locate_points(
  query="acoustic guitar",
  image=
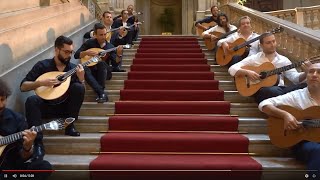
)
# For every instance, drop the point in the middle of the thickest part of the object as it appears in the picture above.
(211, 44)
(207, 25)
(238, 47)
(129, 27)
(7, 142)
(58, 91)
(268, 76)
(309, 127)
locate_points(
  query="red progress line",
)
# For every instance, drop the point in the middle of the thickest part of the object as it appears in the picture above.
(29, 171)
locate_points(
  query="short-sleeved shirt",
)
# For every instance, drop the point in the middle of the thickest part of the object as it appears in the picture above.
(48, 65)
(10, 123)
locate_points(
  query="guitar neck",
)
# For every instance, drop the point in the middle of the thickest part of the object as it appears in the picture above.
(246, 43)
(227, 34)
(283, 69)
(16, 136)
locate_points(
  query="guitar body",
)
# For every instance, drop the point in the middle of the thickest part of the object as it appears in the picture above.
(200, 31)
(52, 93)
(284, 139)
(223, 59)
(86, 58)
(212, 44)
(246, 87)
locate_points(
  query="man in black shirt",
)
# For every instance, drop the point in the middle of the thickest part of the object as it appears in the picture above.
(38, 108)
(214, 18)
(124, 37)
(96, 75)
(17, 153)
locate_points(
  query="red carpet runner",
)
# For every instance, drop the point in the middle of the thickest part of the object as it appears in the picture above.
(172, 120)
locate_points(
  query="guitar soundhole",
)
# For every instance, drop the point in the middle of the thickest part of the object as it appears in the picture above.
(263, 75)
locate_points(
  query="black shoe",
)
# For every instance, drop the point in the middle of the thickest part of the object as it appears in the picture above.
(102, 98)
(71, 131)
(38, 152)
(118, 70)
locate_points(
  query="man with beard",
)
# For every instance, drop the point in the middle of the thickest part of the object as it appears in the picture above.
(222, 27)
(268, 44)
(245, 32)
(214, 18)
(306, 151)
(17, 154)
(37, 108)
(96, 75)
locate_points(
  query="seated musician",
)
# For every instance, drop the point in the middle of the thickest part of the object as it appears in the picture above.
(17, 157)
(308, 152)
(113, 38)
(97, 74)
(245, 32)
(38, 108)
(132, 20)
(268, 44)
(222, 26)
(214, 18)
(124, 36)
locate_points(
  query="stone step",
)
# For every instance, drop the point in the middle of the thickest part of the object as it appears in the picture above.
(119, 84)
(70, 167)
(127, 60)
(107, 109)
(134, 51)
(259, 144)
(95, 124)
(217, 76)
(114, 95)
(213, 68)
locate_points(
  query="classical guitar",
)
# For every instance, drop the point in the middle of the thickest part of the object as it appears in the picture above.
(129, 27)
(268, 76)
(58, 91)
(207, 25)
(309, 127)
(211, 44)
(238, 47)
(7, 142)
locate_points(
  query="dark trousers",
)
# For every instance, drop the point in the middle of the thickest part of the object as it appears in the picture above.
(135, 34)
(269, 92)
(235, 59)
(309, 153)
(37, 108)
(96, 76)
(34, 165)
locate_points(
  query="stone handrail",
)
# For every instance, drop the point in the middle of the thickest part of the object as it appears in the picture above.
(304, 16)
(296, 42)
(94, 8)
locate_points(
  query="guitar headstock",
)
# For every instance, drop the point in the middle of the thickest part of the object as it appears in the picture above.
(277, 30)
(139, 13)
(58, 124)
(139, 23)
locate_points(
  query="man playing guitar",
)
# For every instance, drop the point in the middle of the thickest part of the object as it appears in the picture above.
(37, 108)
(223, 26)
(306, 151)
(268, 44)
(245, 32)
(17, 155)
(208, 20)
(125, 36)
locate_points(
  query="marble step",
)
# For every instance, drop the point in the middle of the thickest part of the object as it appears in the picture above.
(70, 167)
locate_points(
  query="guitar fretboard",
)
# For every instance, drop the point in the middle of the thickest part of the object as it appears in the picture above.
(16, 136)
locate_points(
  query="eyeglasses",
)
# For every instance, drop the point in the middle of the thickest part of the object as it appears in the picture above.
(67, 51)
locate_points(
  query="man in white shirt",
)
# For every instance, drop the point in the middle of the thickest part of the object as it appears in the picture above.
(306, 151)
(245, 32)
(268, 44)
(223, 27)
